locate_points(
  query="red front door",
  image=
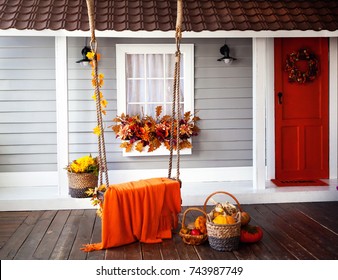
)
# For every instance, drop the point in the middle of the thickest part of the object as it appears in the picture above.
(301, 110)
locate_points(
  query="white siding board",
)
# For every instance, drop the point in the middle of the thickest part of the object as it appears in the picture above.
(27, 139)
(28, 168)
(240, 103)
(31, 149)
(32, 74)
(27, 106)
(41, 95)
(211, 83)
(226, 124)
(27, 117)
(9, 128)
(209, 62)
(30, 159)
(222, 146)
(27, 84)
(22, 53)
(221, 72)
(224, 114)
(26, 42)
(27, 63)
(219, 93)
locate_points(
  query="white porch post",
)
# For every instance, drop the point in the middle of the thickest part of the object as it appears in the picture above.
(61, 78)
(333, 103)
(261, 86)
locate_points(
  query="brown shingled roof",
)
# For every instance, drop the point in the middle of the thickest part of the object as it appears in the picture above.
(150, 15)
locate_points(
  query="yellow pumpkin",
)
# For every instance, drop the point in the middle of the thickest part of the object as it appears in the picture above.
(223, 220)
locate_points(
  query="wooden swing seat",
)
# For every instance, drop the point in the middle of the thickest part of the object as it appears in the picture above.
(145, 210)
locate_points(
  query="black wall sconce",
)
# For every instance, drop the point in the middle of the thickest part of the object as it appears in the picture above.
(85, 60)
(225, 51)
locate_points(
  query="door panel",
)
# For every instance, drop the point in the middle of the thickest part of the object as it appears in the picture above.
(301, 113)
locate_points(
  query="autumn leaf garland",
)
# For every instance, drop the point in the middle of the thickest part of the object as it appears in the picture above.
(97, 83)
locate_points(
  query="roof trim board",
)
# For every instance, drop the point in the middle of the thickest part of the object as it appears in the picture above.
(171, 34)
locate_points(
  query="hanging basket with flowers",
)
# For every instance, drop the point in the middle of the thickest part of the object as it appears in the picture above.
(82, 175)
(149, 133)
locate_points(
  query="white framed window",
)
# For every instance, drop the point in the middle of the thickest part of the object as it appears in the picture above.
(145, 76)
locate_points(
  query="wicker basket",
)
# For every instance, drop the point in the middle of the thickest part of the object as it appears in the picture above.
(79, 183)
(192, 239)
(223, 237)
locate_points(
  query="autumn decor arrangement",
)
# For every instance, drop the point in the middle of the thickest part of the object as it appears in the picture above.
(149, 133)
(224, 223)
(196, 232)
(294, 73)
(82, 175)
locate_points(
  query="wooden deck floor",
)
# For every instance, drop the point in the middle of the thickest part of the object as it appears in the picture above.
(291, 231)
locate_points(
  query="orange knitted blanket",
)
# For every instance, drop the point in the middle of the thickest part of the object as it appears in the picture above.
(144, 211)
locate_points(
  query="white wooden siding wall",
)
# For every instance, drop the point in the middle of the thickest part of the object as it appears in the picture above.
(223, 99)
(27, 104)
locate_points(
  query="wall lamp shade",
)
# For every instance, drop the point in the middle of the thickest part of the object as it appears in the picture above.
(85, 60)
(225, 51)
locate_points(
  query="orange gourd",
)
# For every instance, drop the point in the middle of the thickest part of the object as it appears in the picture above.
(200, 223)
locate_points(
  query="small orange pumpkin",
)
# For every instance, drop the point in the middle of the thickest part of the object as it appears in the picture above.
(200, 223)
(245, 218)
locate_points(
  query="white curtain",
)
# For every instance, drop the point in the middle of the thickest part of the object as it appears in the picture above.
(150, 82)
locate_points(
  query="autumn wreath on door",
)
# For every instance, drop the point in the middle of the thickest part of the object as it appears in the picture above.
(297, 75)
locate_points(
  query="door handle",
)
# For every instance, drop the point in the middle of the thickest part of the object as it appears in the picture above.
(280, 98)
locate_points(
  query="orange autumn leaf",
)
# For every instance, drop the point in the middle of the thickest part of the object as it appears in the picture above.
(185, 144)
(126, 145)
(94, 95)
(158, 111)
(104, 103)
(139, 147)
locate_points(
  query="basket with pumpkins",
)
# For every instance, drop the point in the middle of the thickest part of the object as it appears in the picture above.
(224, 223)
(194, 233)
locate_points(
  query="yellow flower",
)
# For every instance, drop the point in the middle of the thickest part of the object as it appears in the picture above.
(90, 55)
(85, 164)
(97, 131)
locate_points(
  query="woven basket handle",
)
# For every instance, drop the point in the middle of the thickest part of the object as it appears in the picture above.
(191, 209)
(222, 192)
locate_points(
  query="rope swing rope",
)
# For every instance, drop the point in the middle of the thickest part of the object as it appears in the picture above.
(176, 108)
(101, 143)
